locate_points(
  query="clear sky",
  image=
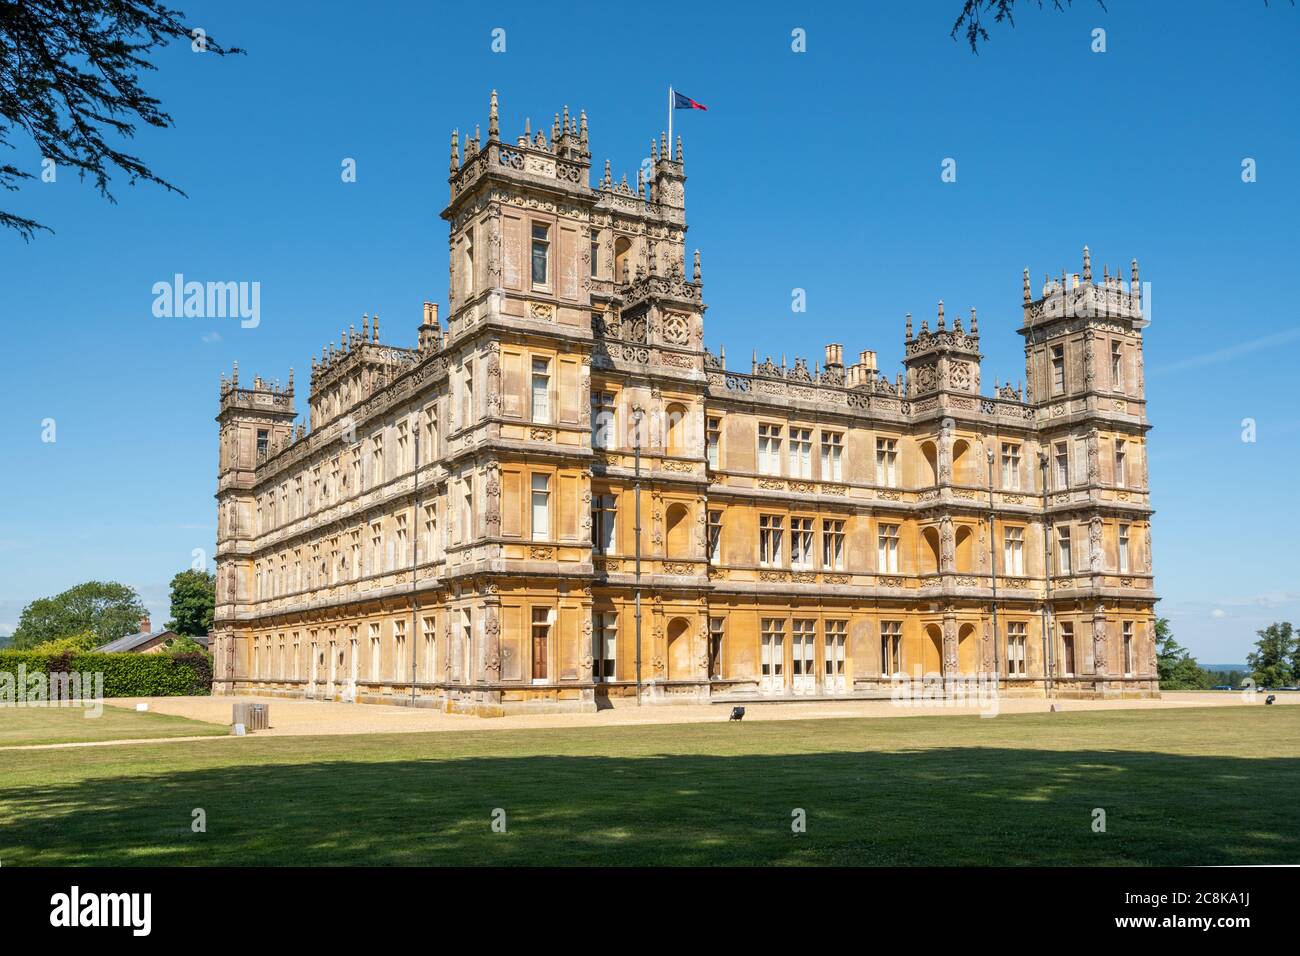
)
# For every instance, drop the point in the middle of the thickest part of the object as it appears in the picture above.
(817, 170)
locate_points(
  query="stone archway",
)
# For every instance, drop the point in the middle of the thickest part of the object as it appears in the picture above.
(932, 650)
(679, 649)
(968, 654)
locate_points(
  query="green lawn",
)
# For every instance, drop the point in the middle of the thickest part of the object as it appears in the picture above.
(61, 725)
(1195, 786)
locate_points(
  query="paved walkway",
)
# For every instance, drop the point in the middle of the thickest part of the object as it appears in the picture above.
(309, 717)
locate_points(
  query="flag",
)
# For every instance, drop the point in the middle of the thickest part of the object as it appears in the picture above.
(682, 102)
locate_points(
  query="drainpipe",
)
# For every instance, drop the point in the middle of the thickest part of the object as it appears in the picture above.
(993, 580)
(415, 554)
(637, 415)
(1049, 640)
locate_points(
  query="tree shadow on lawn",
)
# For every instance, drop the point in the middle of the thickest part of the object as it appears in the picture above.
(948, 806)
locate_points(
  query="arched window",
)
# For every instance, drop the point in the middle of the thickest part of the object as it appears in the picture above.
(622, 249)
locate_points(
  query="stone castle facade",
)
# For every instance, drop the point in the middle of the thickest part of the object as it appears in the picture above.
(458, 525)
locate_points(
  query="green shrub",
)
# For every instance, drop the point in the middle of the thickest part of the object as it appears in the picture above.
(125, 675)
(85, 641)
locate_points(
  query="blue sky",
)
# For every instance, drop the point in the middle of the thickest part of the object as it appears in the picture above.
(817, 170)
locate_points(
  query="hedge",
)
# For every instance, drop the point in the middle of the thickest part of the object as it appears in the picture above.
(125, 674)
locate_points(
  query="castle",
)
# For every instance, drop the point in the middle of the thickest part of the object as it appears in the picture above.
(459, 524)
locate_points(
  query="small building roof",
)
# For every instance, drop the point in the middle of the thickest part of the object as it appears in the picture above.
(132, 641)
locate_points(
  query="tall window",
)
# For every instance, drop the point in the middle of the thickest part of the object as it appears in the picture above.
(355, 538)
(1121, 463)
(1062, 458)
(604, 515)
(832, 545)
(772, 635)
(354, 469)
(1063, 562)
(717, 625)
(542, 618)
(712, 437)
(605, 641)
(769, 540)
(1067, 648)
(399, 649)
(715, 536)
(1058, 369)
(1013, 552)
(404, 459)
(1128, 649)
(1123, 549)
(431, 433)
(769, 449)
(263, 442)
(602, 419)
(376, 460)
(887, 462)
(887, 548)
(467, 510)
(1116, 366)
(430, 648)
(541, 252)
(801, 543)
(430, 531)
(1016, 631)
(465, 666)
(467, 395)
(374, 651)
(836, 635)
(376, 547)
(1010, 466)
(402, 547)
(467, 263)
(891, 647)
(832, 451)
(541, 507)
(800, 452)
(542, 390)
(595, 256)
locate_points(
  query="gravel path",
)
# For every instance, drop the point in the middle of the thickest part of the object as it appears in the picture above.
(308, 717)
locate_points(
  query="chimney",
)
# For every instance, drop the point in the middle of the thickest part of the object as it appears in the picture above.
(145, 626)
(834, 356)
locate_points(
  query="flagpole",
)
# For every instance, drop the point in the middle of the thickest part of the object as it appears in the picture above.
(670, 118)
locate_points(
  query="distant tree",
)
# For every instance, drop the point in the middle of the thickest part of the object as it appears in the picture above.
(184, 644)
(85, 641)
(70, 80)
(1176, 667)
(5, 640)
(1271, 663)
(971, 19)
(194, 596)
(106, 608)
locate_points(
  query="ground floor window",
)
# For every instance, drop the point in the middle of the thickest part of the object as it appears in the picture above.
(604, 645)
(891, 647)
(1067, 648)
(717, 625)
(773, 652)
(541, 641)
(1016, 648)
(1128, 649)
(833, 658)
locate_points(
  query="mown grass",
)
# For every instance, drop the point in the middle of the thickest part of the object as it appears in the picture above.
(60, 725)
(1178, 787)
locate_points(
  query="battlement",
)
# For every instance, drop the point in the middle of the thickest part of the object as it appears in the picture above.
(269, 397)
(1077, 295)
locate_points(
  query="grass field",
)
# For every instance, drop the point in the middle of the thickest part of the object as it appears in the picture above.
(59, 725)
(1194, 786)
